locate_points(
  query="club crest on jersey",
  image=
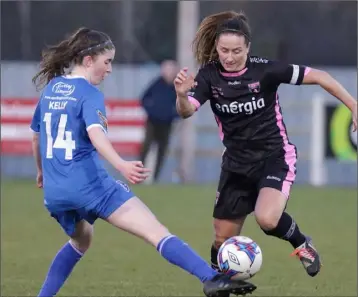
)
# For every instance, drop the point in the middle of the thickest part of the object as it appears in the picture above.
(123, 185)
(254, 87)
(103, 119)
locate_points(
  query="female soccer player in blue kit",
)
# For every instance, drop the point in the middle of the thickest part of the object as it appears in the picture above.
(70, 129)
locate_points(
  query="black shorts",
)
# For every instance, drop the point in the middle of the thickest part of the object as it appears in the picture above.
(238, 190)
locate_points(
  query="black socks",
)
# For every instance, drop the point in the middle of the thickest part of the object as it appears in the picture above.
(214, 258)
(288, 230)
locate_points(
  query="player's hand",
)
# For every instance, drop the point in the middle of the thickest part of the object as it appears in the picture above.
(39, 180)
(354, 117)
(183, 82)
(134, 171)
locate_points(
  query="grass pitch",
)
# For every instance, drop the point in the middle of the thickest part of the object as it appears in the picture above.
(119, 264)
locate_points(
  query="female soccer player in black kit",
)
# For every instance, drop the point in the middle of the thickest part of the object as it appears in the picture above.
(259, 162)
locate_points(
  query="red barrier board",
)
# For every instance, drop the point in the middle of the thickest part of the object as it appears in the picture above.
(125, 130)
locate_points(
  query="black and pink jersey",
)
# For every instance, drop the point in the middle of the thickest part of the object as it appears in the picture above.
(246, 107)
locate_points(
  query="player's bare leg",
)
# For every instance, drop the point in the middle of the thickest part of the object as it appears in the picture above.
(224, 229)
(82, 238)
(66, 259)
(270, 215)
(136, 218)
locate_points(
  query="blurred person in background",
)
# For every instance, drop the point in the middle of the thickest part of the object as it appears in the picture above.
(259, 163)
(158, 101)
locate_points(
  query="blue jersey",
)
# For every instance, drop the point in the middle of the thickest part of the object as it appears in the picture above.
(73, 173)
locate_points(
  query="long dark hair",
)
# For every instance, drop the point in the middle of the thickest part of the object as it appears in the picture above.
(210, 29)
(56, 58)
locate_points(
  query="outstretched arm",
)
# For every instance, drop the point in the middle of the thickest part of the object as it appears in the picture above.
(102, 144)
(93, 112)
(297, 75)
(133, 171)
(332, 86)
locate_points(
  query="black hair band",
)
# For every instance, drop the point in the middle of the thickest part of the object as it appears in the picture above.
(233, 26)
(228, 30)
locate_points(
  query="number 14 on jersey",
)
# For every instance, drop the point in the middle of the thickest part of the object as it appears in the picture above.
(63, 139)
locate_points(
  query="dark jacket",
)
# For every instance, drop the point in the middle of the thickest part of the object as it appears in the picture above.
(159, 101)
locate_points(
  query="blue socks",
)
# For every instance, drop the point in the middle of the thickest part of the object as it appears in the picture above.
(180, 254)
(60, 269)
(171, 248)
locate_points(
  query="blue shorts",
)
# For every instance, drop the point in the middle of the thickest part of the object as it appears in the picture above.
(100, 208)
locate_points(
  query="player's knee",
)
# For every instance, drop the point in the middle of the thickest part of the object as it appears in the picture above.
(82, 241)
(267, 221)
(224, 229)
(219, 240)
(81, 245)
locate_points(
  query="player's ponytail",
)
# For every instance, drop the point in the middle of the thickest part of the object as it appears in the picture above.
(211, 27)
(57, 58)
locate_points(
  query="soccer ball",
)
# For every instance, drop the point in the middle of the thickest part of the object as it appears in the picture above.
(240, 257)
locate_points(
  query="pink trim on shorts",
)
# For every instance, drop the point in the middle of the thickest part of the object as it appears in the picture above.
(290, 153)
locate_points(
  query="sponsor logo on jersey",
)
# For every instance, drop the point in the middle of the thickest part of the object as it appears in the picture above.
(236, 107)
(63, 89)
(234, 83)
(216, 92)
(254, 87)
(258, 60)
(103, 119)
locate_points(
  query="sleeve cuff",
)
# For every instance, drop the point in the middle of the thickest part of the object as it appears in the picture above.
(194, 101)
(96, 125)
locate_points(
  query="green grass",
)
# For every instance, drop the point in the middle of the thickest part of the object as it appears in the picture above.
(121, 265)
